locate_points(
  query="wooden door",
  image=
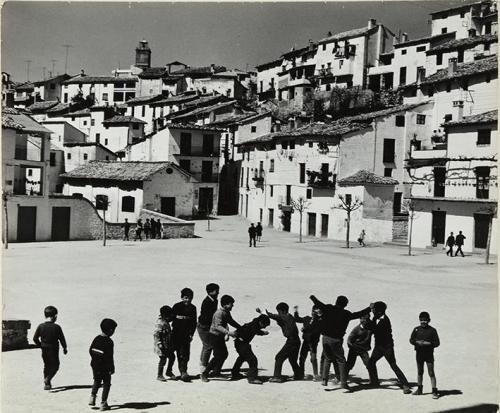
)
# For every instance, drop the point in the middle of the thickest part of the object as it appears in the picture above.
(60, 223)
(26, 224)
(168, 206)
(312, 224)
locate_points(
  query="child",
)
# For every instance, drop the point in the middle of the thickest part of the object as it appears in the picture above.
(163, 342)
(244, 335)
(218, 333)
(310, 339)
(103, 366)
(183, 328)
(207, 311)
(47, 336)
(290, 351)
(359, 343)
(384, 346)
(361, 238)
(425, 339)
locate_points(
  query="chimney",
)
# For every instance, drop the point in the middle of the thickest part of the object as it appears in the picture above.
(82, 73)
(472, 32)
(372, 23)
(404, 37)
(458, 106)
(452, 66)
(212, 68)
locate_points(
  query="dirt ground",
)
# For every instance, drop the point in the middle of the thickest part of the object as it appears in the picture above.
(130, 281)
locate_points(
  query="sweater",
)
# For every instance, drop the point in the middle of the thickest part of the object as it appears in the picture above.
(101, 353)
(184, 324)
(220, 320)
(162, 337)
(424, 334)
(382, 331)
(48, 335)
(312, 327)
(207, 311)
(248, 331)
(287, 324)
(360, 339)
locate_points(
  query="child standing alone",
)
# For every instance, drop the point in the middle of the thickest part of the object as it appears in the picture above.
(163, 342)
(425, 339)
(48, 335)
(102, 363)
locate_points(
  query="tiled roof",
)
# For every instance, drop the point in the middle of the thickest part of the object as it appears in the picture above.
(199, 70)
(98, 79)
(25, 86)
(96, 144)
(456, 9)
(117, 171)
(364, 117)
(240, 119)
(82, 112)
(144, 99)
(202, 100)
(153, 73)
(346, 35)
(486, 117)
(172, 100)
(268, 65)
(42, 106)
(424, 39)
(52, 79)
(489, 64)
(363, 177)
(14, 119)
(204, 110)
(463, 43)
(60, 107)
(193, 126)
(122, 119)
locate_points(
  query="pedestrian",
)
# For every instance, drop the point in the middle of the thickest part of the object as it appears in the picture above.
(450, 242)
(218, 333)
(359, 343)
(147, 229)
(126, 229)
(153, 228)
(290, 350)
(159, 229)
(384, 346)
(138, 230)
(207, 311)
(361, 238)
(258, 231)
(102, 363)
(311, 332)
(47, 336)
(459, 242)
(163, 342)
(252, 233)
(334, 324)
(183, 328)
(244, 335)
(425, 339)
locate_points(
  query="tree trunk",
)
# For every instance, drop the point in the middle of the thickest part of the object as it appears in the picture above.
(6, 232)
(300, 228)
(488, 243)
(348, 229)
(104, 227)
(409, 234)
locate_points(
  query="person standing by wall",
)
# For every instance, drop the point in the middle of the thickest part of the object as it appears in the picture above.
(450, 242)
(459, 242)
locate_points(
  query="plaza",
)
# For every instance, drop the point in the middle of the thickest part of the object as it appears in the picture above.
(130, 281)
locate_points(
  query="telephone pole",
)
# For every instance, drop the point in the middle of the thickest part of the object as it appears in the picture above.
(53, 67)
(43, 72)
(67, 47)
(28, 62)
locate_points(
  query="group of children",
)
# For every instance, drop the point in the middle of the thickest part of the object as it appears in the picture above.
(176, 327)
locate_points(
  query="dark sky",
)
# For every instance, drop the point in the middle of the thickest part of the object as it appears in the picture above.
(104, 35)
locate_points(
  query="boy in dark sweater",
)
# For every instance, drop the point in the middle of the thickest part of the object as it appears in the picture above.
(384, 346)
(183, 328)
(48, 335)
(359, 343)
(102, 363)
(290, 351)
(425, 339)
(208, 309)
(163, 342)
(244, 335)
(311, 332)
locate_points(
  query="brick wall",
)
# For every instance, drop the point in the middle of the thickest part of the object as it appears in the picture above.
(400, 228)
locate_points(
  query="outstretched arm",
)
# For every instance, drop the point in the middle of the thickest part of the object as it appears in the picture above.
(318, 303)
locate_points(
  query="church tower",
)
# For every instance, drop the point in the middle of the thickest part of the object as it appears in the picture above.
(143, 55)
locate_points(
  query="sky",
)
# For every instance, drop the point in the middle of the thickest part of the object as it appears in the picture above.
(104, 35)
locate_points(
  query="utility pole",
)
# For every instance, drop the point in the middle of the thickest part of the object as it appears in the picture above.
(28, 62)
(66, 46)
(43, 72)
(53, 67)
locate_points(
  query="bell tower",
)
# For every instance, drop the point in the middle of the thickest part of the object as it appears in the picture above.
(143, 55)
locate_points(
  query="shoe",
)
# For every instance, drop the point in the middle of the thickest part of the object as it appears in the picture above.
(169, 374)
(92, 400)
(406, 390)
(417, 392)
(335, 381)
(185, 378)
(254, 381)
(435, 394)
(324, 382)
(374, 385)
(345, 386)
(104, 406)
(275, 380)
(161, 378)
(204, 378)
(298, 377)
(47, 386)
(235, 377)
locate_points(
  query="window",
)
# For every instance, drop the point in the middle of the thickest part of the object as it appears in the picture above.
(65, 98)
(420, 119)
(439, 59)
(444, 30)
(302, 173)
(98, 137)
(462, 15)
(324, 46)
(105, 97)
(311, 144)
(253, 129)
(328, 87)
(84, 123)
(129, 95)
(135, 126)
(185, 144)
(52, 159)
(292, 144)
(107, 157)
(118, 96)
(487, 28)
(348, 199)
(208, 145)
(460, 57)
(309, 193)
(388, 172)
(421, 49)
(284, 145)
(228, 92)
(73, 118)
(68, 156)
(261, 86)
(341, 63)
(448, 87)
(403, 51)
(30, 172)
(402, 76)
(271, 165)
(271, 190)
(85, 156)
(128, 204)
(486, 47)
(185, 164)
(143, 111)
(130, 84)
(105, 85)
(483, 137)
(106, 141)
(400, 121)
(92, 122)
(448, 117)
(482, 182)
(52, 86)
(389, 150)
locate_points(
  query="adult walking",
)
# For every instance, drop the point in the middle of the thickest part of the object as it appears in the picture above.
(252, 233)
(258, 230)
(138, 230)
(459, 242)
(450, 242)
(126, 229)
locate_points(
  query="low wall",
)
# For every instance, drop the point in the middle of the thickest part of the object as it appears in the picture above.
(15, 334)
(400, 228)
(172, 227)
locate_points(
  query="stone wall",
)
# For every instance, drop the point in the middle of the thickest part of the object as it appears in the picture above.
(15, 334)
(172, 227)
(400, 228)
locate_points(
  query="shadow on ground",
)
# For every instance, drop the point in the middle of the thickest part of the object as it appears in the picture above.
(72, 387)
(138, 405)
(477, 408)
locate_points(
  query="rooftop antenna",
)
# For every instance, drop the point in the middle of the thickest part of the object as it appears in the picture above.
(28, 62)
(67, 47)
(43, 72)
(53, 66)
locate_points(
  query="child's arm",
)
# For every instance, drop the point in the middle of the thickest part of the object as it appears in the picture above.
(435, 339)
(62, 340)
(412, 337)
(36, 337)
(262, 332)
(296, 316)
(272, 316)
(361, 313)
(320, 305)
(351, 337)
(233, 323)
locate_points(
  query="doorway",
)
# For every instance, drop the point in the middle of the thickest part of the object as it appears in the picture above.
(438, 226)
(481, 224)
(206, 200)
(286, 220)
(60, 223)
(324, 225)
(311, 224)
(271, 217)
(26, 224)
(167, 206)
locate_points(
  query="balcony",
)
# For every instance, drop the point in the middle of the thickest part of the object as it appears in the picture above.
(321, 180)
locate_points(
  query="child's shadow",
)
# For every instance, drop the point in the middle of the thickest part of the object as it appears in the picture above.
(72, 387)
(138, 405)
(444, 393)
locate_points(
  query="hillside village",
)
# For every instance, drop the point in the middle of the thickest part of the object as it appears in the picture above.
(406, 129)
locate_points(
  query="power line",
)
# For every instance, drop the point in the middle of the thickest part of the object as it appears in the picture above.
(67, 47)
(28, 62)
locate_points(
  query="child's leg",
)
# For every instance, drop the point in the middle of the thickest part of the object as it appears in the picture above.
(365, 358)
(252, 364)
(106, 386)
(51, 361)
(161, 364)
(420, 372)
(293, 354)
(313, 348)
(304, 350)
(279, 359)
(171, 361)
(96, 384)
(432, 375)
(351, 360)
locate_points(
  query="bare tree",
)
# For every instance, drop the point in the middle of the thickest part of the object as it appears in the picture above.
(5, 198)
(348, 206)
(300, 205)
(102, 203)
(492, 212)
(409, 206)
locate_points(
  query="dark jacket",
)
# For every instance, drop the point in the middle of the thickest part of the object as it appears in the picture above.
(360, 339)
(207, 311)
(312, 327)
(287, 324)
(450, 241)
(427, 334)
(101, 353)
(258, 230)
(335, 319)
(48, 335)
(252, 231)
(382, 331)
(184, 324)
(248, 331)
(459, 240)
